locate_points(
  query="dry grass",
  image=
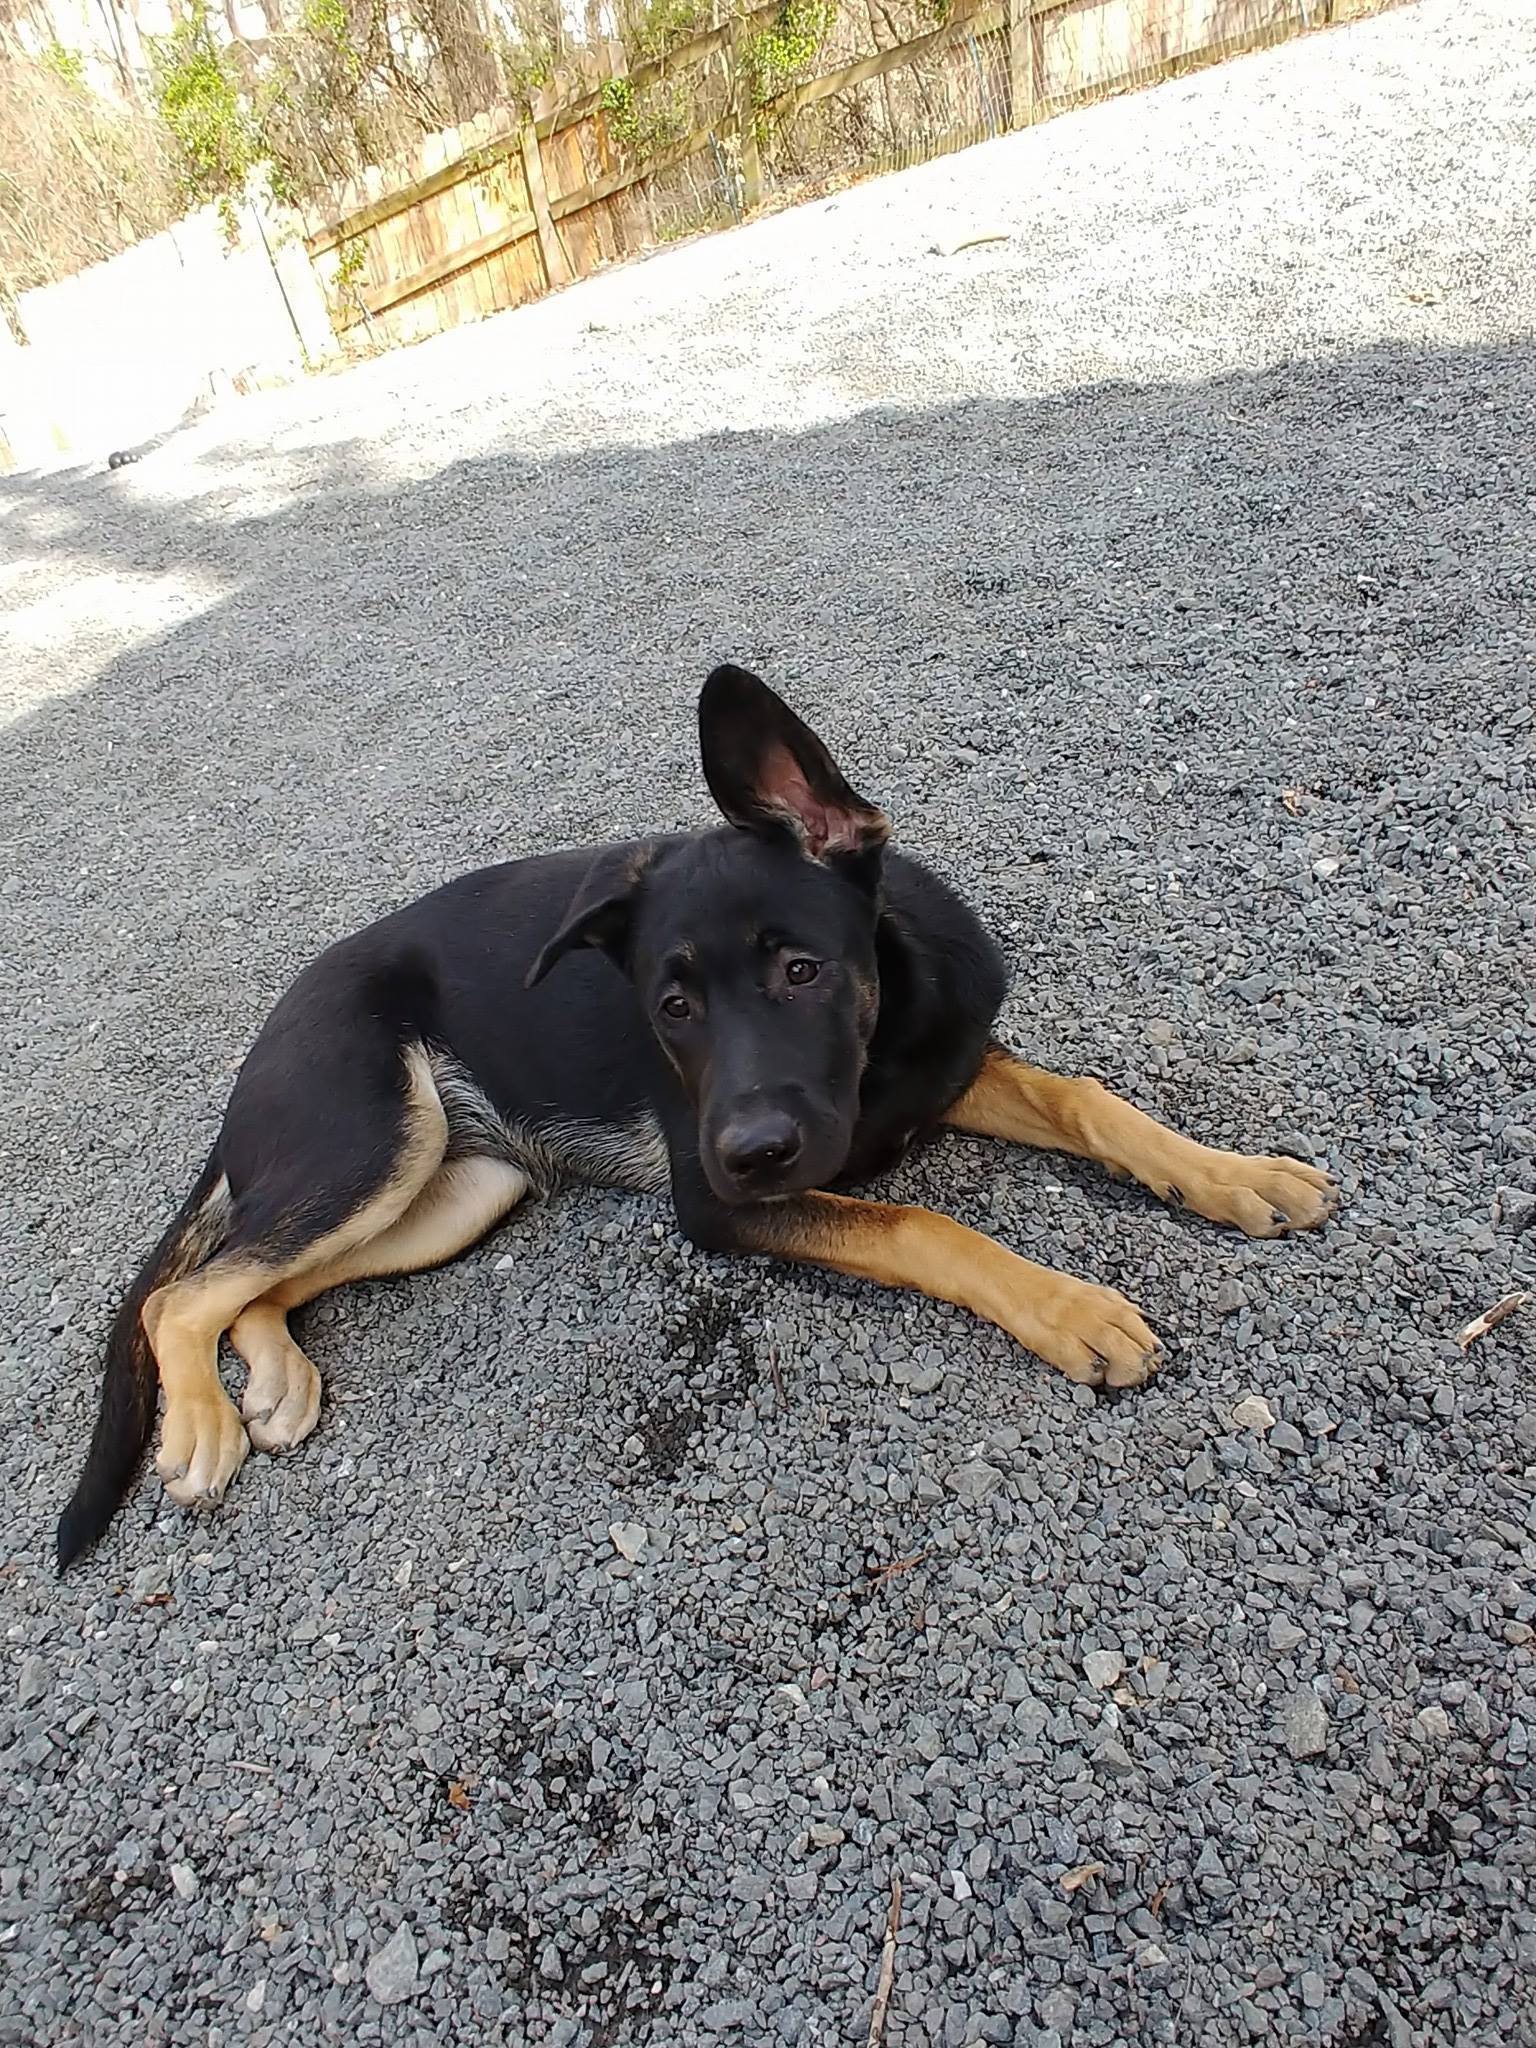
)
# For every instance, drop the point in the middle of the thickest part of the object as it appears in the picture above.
(81, 177)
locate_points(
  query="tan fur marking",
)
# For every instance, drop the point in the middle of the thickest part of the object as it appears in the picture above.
(1264, 1197)
(1090, 1333)
(458, 1205)
(202, 1442)
(282, 1395)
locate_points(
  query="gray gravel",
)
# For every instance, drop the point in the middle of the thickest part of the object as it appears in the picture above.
(1170, 570)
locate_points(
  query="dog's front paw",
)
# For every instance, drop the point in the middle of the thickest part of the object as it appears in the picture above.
(1092, 1334)
(202, 1446)
(1264, 1197)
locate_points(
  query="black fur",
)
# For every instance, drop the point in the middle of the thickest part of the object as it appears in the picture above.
(838, 1000)
(127, 1413)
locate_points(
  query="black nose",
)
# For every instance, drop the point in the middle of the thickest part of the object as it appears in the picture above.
(761, 1144)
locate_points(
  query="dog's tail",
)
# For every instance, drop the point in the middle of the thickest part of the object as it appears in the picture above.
(127, 1413)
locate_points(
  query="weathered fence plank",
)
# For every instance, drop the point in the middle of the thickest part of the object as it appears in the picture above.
(379, 298)
(556, 269)
(745, 117)
(1023, 62)
(359, 221)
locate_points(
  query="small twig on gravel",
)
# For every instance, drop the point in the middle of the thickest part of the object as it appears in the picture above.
(1491, 1318)
(237, 1763)
(773, 1363)
(887, 1966)
(968, 242)
(1178, 2018)
(894, 1571)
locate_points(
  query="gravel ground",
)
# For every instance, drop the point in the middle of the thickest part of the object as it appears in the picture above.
(1170, 570)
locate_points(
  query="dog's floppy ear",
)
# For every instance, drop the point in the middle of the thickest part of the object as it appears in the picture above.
(769, 773)
(600, 910)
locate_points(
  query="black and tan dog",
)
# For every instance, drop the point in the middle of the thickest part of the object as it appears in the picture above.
(753, 1015)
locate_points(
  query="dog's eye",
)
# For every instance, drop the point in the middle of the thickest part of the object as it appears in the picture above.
(799, 972)
(675, 1007)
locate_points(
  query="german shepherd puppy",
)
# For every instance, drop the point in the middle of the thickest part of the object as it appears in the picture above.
(753, 1017)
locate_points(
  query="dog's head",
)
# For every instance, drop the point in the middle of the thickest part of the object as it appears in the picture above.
(752, 948)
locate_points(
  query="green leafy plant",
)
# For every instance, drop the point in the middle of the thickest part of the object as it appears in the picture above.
(350, 264)
(783, 53)
(650, 28)
(646, 121)
(326, 18)
(328, 24)
(527, 70)
(344, 288)
(199, 98)
(617, 100)
(65, 64)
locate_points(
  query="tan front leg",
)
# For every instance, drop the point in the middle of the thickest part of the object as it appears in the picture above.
(1265, 1197)
(1090, 1333)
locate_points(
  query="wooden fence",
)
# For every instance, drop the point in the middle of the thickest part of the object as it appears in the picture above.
(610, 163)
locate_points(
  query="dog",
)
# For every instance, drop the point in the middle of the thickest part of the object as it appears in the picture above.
(755, 1017)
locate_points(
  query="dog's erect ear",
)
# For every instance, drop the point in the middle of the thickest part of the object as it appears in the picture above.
(768, 772)
(600, 910)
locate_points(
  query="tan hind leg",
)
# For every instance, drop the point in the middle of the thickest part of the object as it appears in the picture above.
(202, 1440)
(281, 1403)
(458, 1205)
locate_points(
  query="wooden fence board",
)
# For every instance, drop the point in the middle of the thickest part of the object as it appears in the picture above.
(377, 211)
(380, 297)
(618, 181)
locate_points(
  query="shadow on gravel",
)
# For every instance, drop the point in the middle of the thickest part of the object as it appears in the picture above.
(1079, 644)
(1217, 696)
(1177, 601)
